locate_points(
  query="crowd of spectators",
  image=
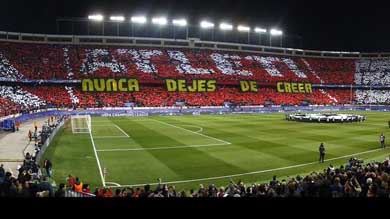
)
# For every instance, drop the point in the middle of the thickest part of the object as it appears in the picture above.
(38, 61)
(151, 65)
(31, 179)
(8, 107)
(21, 97)
(373, 96)
(356, 179)
(353, 180)
(372, 72)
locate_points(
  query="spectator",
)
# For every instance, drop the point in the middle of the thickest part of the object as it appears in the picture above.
(78, 186)
(60, 193)
(29, 135)
(45, 186)
(48, 167)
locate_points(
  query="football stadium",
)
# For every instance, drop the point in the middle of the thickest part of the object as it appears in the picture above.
(160, 106)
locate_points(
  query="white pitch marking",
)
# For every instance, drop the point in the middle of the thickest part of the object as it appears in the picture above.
(122, 131)
(226, 142)
(97, 159)
(249, 173)
(200, 128)
(160, 148)
(115, 136)
(98, 137)
(114, 183)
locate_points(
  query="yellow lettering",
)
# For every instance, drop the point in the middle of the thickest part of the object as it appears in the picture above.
(253, 86)
(171, 85)
(111, 85)
(308, 88)
(87, 85)
(201, 85)
(211, 85)
(181, 84)
(194, 86)
(244, 86)
(287, 87)
(301, 88)
(99, 84)
(133, 85)
(294, 87)
(121, 86)
(279, 87)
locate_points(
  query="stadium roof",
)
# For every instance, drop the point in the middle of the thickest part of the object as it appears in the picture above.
(332, 25)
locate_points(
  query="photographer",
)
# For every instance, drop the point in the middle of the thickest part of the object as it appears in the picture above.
(322, 152)
(382, 140)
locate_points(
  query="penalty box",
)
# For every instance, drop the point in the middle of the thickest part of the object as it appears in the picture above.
(166, 135)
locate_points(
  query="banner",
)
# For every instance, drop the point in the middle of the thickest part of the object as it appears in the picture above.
(248, 86)
(110, 85)
(181, 85)
(294, 87)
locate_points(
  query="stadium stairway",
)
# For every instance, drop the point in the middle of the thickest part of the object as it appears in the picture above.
(14, 145)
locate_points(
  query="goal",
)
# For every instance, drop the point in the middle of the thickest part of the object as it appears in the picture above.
(81, 123)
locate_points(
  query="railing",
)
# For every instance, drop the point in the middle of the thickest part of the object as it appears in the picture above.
(48, 141)
(176, 43)
(72, 194)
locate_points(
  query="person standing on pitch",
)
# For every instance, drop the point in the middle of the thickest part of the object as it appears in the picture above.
(382, 140)
(322, 152)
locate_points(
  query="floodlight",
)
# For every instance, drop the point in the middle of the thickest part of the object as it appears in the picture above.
(179, 22)
(260, 30)
(225, 26)
(117, 18)
(159, 20)
(275, 32)
(243, 28)
(206, 25)
(96, 17)
(138, 19)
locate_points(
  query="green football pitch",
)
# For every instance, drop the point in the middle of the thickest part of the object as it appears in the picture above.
(190, 150)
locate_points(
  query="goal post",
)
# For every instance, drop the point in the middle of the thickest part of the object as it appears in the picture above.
(81, 123)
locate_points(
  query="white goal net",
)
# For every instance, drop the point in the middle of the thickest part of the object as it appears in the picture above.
(81, 123)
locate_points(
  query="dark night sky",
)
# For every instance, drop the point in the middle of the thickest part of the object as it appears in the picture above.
(326, 24)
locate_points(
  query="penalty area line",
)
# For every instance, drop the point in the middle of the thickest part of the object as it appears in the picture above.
(206, 136)
(121, 130)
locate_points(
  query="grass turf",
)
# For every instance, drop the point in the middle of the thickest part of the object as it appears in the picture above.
(208, 146)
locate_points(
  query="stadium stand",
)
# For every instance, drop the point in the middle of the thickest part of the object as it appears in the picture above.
(8, 107)
(44, 64)
(353, 180)
(53, 63)
(21, 97)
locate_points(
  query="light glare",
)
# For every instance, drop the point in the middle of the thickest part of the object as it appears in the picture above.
(159, 20)
(225, 26)
(96, 17)
(275, 32)
(180, 22)
(243, 28)
(138, 19)
(117, 18)
(206, 25)
(260, 30)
